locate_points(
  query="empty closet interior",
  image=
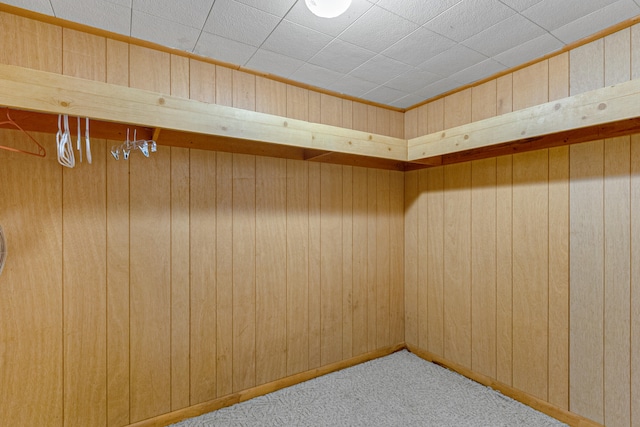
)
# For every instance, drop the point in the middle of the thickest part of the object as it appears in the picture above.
(142, 290)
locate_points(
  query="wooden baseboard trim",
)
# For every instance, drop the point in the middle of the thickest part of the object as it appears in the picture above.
(212, 405)
(529, 400)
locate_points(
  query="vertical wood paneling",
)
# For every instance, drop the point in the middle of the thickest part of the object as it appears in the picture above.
(559, 276)
(150, 286)
(504, 94)
(202, 81)
(31, 288)
(559, 76)
(31, 44)
(224, 86)
(297, 103)
(314, 264)
(635, 276)
(117, 188)
(635, 51)
(423, 116)
(457, 266)
(347, 262)
(383, 261)
(330, 263)
(423, 258)
(150, 302)
(360, 256)
(457, 109)
(271, 269)
(347, 114)
(530, 272)
(203, 294)
(372, 257)
(271, 96)
(483, 267)
(587, 280)
(434, 322)
(587, 67)
(244, 271)
(330, 110)
(224, 273)
(531, 86)
(483, 101)
(504, 272)
(617, 57)
(396, 254)
(84, 290)
(411, 221)
(180, 263)
(297, 266)
(244, 90)
(411, 123)
(617, 282)
(84, 283)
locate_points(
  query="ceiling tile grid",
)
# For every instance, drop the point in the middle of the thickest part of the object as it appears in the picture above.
(393, 52)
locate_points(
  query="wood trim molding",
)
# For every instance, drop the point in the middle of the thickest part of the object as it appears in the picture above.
(529, 400)
(232, 399)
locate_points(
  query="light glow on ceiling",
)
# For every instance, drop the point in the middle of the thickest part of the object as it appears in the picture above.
(328, 8)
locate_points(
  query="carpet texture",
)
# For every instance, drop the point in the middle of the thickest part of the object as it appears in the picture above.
(397, 390)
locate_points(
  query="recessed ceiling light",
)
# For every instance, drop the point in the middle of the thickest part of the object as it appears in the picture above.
(328, 8)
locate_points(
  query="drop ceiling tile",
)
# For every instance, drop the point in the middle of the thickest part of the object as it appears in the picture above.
(477, 72)
(273, 63)
(125, 3)
(341, 56)
(598, 20)
(529, 50)
(412, 80)
(239, 22)
(274, 7)
(468, 18)
(378, 29)
(452, 60)
(95, 13)
(407, 101)
(504, 35)
(222, 49)
(191, 13)
(315, 75)
(40, 6)
(520, 5)
(163, 32)
(294, 40)
(380, 69)
(384, 95)
(418, 46)
(352, 86)
(441, 86)
(416, 10)
(550, 17)
(300, 14)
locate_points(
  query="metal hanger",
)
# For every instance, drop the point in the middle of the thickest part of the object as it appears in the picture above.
(41, 151)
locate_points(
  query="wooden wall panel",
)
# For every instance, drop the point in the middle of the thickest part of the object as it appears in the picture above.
(372, 257)
(587, 280)
(411, 245)
(617, 57)
(31, 44)
(383, 261)
(271, 96)
(635, 276)
(360, 278)
(617, 282)
(347, 261)
(559, 77)
(504, 269)
(271, 269)
(457, 269)
(530, 272)
(202, 81)
(423, 257)
(244, 272)
(435, 261)
(483, 266)
(224, 273)
(531, 85)
(330, 264)
(314, 266)
(587, 67)
(396, 256)
(31, 324)
(203, 283)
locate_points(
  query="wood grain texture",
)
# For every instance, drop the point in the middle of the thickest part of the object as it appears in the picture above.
(372, 257)
(635, 276)
(586, 392)
(617, 57)
(203, 284)
(347, 262)
(617, 282)
(383, 261)
(202, 81)
(396, 254)
(530, 272)
(422, 255)
(297, 267)
(360, 257)
(31, 323)
(411, 244)
(244, 271)
(434, 322)
(587, 67)
(483, 267)
(504, 272)
(457, 264)
(531, 86)
(271, 269)
(315, 265)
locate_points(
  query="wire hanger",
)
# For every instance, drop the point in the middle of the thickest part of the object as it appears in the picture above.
(41, 151)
